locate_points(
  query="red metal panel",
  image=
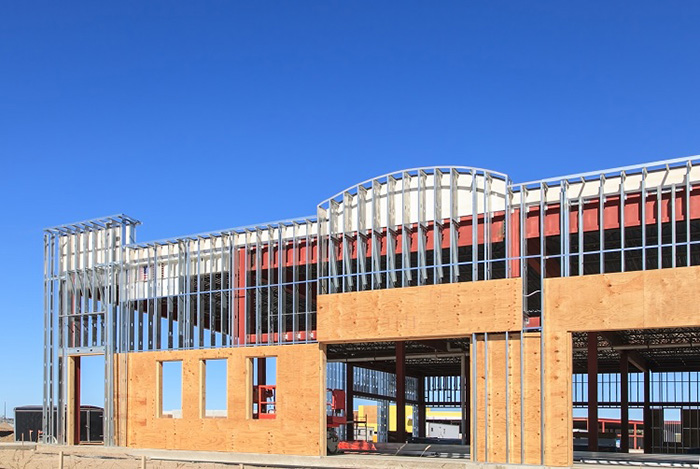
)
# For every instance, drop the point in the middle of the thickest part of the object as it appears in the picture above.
(633, 212)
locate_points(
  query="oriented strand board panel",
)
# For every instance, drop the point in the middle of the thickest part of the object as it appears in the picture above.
(431, 311)
(299, 426)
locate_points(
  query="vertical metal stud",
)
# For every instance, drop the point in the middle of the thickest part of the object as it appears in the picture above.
(347, 241)
(622, 221)
(475, 227)
(391, 278)
(376, 237)
(422, 229)
(601, 224)
(406, 230)
(281, 294)
(361, 237)
(659, 226)
(673, 225)
(643, 222)
(687, 212)
(454, 223)
(487, 226)
(437, 227)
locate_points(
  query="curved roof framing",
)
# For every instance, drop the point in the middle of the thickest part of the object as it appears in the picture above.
(414, 171)
(437, 193)
(413, 197)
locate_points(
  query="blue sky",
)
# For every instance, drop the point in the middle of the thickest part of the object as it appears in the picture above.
(195, 116)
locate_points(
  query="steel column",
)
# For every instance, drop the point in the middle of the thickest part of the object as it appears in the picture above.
(592, 391)
(646, 411)
(464, 398)
(262, 371)
(624, 403)
(401, 392)
(421, 407)
(349, 401)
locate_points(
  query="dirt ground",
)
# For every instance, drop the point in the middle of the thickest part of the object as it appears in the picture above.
(7, 432)
(37, 459)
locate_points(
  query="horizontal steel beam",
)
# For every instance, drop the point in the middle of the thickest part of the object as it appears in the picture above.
(73, 351)
(393, 357)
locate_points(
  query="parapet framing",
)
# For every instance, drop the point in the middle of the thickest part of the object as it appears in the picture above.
(438, 286)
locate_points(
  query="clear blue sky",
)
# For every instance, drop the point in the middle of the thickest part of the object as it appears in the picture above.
(195, 116)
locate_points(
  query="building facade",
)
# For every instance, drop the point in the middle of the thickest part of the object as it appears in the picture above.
(449, 287)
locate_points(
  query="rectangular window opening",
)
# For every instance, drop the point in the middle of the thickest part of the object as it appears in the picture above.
(263, 387)
(170, 389)
(214, 389)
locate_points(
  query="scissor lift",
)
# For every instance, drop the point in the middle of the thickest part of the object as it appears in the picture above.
(265, 396)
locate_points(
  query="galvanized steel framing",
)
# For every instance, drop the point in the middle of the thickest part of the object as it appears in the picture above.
(257, 285)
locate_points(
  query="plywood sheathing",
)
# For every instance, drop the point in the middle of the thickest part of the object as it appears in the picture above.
(431, 311)
(501, 432)
(72, 397)
(299, 427)
(650, 299)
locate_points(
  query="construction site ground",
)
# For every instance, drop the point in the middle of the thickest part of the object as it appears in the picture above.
(33, 456)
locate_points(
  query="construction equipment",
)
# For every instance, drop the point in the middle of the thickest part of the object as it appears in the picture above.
(265, 396)
(336, 415)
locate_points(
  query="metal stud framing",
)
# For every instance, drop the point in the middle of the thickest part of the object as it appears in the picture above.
(257, 285)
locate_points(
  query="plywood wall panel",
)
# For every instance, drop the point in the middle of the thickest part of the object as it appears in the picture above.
(532, 398)
(499, 427)
(558, 417)
(477, 354)
(665, 298)
(514, 395)
(496, 391)
(671, 297)
(628, 300)
(432, 311)
(297, 429)
(599, 301)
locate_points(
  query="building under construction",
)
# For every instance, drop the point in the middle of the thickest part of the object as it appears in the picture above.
(519, 304)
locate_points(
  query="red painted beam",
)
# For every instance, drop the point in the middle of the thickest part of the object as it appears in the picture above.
(592, 391)
(401, 391)
(624, 404)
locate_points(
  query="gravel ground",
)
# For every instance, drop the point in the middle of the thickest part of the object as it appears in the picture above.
(37, 459)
